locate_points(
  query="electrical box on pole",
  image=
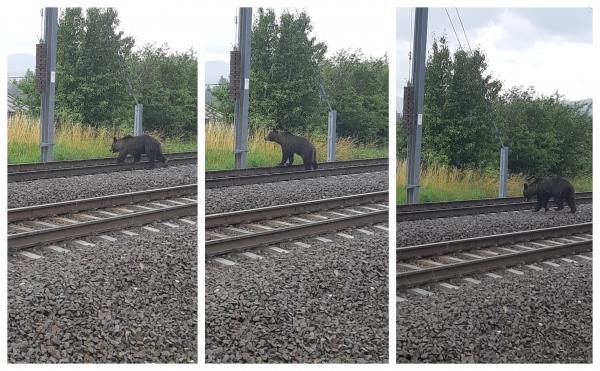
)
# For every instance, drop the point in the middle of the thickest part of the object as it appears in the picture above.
(46, 81)
(415, 122)
(239, 81)
(503, 178)
(137, 120)
(331, 135)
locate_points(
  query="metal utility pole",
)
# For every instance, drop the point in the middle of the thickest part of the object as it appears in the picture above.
(331, 135)
(503, 179)
(418, 82)
(137, 120)
(46, 66)
(241, 100)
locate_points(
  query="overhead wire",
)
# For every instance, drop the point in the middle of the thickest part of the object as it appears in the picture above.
(463, 28)
(452, 24)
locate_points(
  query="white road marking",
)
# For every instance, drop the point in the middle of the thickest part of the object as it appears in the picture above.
(188, 221)
(151, 229)
(382, 228)
(551, 264)
(323, 239)
(514, 271)
(107, 238)
(365, 231)
(344, 235)
(534, 267)
(129, 233)
(171, 225)
(584, 257)
(568, 260)
(301, 244)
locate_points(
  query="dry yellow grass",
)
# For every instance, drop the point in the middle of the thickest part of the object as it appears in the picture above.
(219, 148)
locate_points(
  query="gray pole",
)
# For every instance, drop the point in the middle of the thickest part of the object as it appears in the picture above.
(503, 179)
(331, 135)
(241, 103)
(47, 100)
(137, 120)
(418, 81)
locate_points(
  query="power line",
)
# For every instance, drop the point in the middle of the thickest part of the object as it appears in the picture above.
(452, 24)
(463, 28)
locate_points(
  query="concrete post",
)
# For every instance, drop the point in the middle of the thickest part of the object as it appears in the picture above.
(137, 120)
(331, 135)
(503, 179)
(47, 96)
(418, 81)
(241, 103)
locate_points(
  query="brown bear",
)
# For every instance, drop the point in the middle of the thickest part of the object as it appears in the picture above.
(137, 146)
(292, 144)
(556, 187)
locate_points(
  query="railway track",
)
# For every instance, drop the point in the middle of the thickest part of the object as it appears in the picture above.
(59, 169)
(49, 223)
(242, 230)
(424, 264)
(470, 207)
(229, 178)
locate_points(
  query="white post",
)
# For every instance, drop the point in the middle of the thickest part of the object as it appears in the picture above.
(503, 179)
(331, 135)
(137, 120)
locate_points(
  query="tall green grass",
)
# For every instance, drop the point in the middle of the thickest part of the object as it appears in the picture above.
(442, 183)
(72, 141)
(219, 149)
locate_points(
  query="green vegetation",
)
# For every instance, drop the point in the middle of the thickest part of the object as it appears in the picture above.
(94, 62)
(468, 116)
(72, 141)
(290, 76)
(219, 149)
(443, 183)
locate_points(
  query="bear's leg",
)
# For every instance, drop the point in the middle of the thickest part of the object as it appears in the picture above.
(291, 159)
(137, 157)
(571, 203)
(560, 204)
(284, 157)
(308, 162)
(538, 204)
(121, 157)
(151, 159)
(546, 198)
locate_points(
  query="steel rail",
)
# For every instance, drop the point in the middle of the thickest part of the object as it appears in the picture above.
(476, 202)
(92, 169)
(445, 212)
(28, 239)
(244, 242)
(295, 175)
(217, 174)
(428, 275)
(67, 207)
(246, 216)
(24, 167)
(446, 247)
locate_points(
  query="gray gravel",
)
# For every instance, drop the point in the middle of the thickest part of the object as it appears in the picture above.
(540, 317)
(63, 189)
(133, 300)
(220, 200)
(444, 229)
(326, 303)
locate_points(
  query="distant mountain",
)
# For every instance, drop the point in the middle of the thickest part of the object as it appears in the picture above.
(214, 70)
(18, 64)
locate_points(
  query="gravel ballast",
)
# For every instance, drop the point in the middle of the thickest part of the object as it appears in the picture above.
(131, 300)
(538, 317)
(219, 200)
(445, 229)
(318, 304)
(64, 189)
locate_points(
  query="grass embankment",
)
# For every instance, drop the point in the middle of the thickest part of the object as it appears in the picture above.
(72, 141)
(219, 149)
(442, 183)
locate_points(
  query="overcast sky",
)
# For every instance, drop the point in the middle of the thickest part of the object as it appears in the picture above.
(549, 49)
(145, 24)
(339, 27)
